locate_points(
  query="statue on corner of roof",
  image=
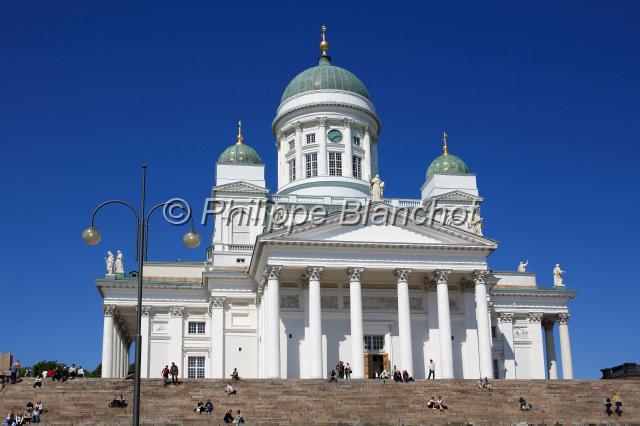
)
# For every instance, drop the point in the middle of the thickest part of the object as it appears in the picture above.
(109, 261)
(119, 263)
(376, 185)
(558, 276)
(522, 267)
(475, 223)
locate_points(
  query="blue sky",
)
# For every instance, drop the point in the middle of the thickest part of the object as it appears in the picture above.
(540, 100)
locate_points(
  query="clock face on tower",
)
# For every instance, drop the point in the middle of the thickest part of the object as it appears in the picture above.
(335, 135)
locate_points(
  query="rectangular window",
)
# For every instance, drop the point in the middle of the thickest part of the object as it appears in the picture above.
(196, 327)
(496, 369)
(292, 145)
(195, 367)
(357, 167)
(312, 165)
(356, 141)
(292, 170)
(374, 343)
(311, 138)
(335, 164)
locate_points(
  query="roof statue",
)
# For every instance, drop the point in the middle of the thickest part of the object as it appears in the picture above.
(558, 276)
(377, 188)
(109, 262)
(522, 267)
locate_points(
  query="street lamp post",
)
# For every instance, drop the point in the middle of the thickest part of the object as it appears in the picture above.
(92, 236)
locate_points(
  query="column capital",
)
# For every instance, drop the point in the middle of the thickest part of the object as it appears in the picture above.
(535, 317)
(505, 317)
(176, 311)
(402, 274)
(313, 272)
(216, 302)
(273, 272)
(354, 273)
(322, 121)
(109, 310)
(146, 310)
(480, 276)
(563, 319)
(441, 276)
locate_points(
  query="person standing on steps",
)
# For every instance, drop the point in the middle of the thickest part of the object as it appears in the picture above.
(432, 370)
(165, 375)
(174, 373)
(617, 402)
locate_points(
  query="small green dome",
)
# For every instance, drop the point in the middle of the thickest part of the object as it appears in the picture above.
(239, 154)
(447, 164)
(324, 76)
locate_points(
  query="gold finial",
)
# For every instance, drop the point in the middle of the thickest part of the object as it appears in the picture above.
(445, 150)
(324, 45)
(239, 142)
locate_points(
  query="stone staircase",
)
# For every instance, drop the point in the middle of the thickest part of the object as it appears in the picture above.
(84, 401)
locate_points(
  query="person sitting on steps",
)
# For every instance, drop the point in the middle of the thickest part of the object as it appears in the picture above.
(199, 408)
(228, 417)
(524, 405)
(432, 403)
(239, 418)
(235, 375)
(208, 407)
(440, 404)
(230, 389)
(484, 384)
(332, 376)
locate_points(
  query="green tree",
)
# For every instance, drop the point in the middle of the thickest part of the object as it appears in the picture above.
(41, 366)
(95, 373)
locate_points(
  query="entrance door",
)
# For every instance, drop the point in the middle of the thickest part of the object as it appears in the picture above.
(375, 363)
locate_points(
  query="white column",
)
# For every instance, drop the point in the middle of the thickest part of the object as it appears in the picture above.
(315, 322)
(107, 340)
(298, 147)
(550, 346)
(444, 323)
(347, 160)
(357, 329)
(127, 345)
(282, 163)
(322, 146)
(273, 322)
(537, 353)
(366, 145)
(434, 331)
(565, 346)
(216, 359)
(472, 369)
(505, 324)
(404, 320)
(177, 331)
(484, 331)
(145, 330)
(117, 347)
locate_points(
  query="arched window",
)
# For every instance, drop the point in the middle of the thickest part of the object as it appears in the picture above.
(240, 227)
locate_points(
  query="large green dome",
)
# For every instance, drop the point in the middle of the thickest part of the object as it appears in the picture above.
(447, 164)
(324, 76)
(239, 154)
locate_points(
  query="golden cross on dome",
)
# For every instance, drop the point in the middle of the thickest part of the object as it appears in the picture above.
(239, 142)
(324, 45)
(445, 150)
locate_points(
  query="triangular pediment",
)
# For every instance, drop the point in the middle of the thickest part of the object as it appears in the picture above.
(399, 231)
(240, 186)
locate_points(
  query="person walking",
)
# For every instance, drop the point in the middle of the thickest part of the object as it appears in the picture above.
(14, 372)
(174, 373)
(165, 375)
(432, 370)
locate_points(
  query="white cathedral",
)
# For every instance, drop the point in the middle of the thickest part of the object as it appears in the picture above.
(281, 301)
